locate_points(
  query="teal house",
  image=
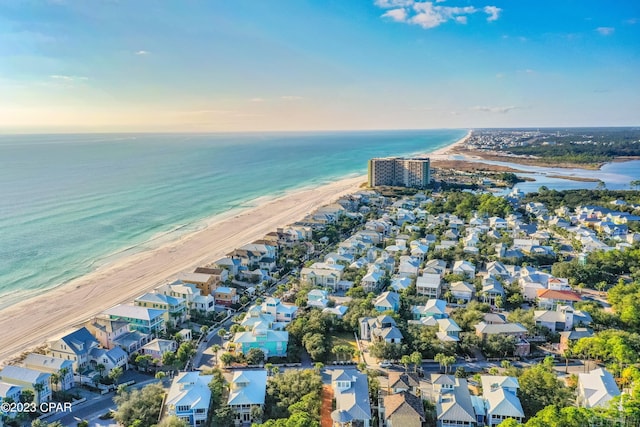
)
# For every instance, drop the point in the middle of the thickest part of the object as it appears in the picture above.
(272, 343)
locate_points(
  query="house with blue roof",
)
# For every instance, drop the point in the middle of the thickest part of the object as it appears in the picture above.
(247, 390)
(189, 397)
(75, 346)
(387, 301)
(109, 358)
(435, 308)
(351, 391)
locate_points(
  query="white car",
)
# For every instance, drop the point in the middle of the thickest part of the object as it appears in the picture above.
(227, 336)
(385, 364)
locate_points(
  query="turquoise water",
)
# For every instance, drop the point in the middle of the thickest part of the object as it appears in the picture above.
(69, 203)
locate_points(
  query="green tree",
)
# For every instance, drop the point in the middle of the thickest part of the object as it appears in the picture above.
(540, 387)
(255, 356)
(141, 406)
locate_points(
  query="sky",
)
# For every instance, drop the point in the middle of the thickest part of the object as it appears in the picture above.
(258, 65)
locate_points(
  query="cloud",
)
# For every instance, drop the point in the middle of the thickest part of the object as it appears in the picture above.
(143, 52)
(605, 31)
(67, 78)
(256, 100)
(428, 14)
(500, 110)
(291, 98)
(500, 75)
(388, 4)
(493, 12)
(398, 15)
(631, 21)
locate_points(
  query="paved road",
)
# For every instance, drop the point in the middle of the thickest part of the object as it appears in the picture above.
(95, 406)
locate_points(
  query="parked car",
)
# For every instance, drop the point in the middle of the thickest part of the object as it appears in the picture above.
(227, 336)
(385, 364)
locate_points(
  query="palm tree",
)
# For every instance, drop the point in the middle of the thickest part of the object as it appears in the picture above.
(38, 387)
(447, 361)
(63, 372)
(268, 367)
(55, 380)
(317, 367)
(100, 368)
(222, 332)
(215, 349)
(115, 374)
(275, 370)
(438, 358)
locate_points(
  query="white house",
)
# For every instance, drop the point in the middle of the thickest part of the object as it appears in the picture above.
(429, 284)
(247, 390)
(596, 388)
(189, 397)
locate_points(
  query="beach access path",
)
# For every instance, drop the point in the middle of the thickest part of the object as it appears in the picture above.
(30, 323)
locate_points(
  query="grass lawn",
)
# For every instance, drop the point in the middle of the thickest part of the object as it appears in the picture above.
(345, 338)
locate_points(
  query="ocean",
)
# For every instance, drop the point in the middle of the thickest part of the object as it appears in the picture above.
(71, 203)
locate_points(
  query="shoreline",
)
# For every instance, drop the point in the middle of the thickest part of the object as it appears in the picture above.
(58, 309)
(27, 324)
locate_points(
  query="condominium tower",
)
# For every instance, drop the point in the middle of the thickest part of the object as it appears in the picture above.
(400, 171)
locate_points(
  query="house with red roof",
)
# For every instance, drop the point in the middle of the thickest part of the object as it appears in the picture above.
(550, 298)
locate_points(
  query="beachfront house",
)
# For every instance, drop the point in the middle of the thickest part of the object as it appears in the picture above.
(175, 308)
(247, 391)
(143, 319)
(28, 379)
(116, 333)
(75, 346)
(52, 365)
(194, 299)
(189, 397)
(206, 283)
